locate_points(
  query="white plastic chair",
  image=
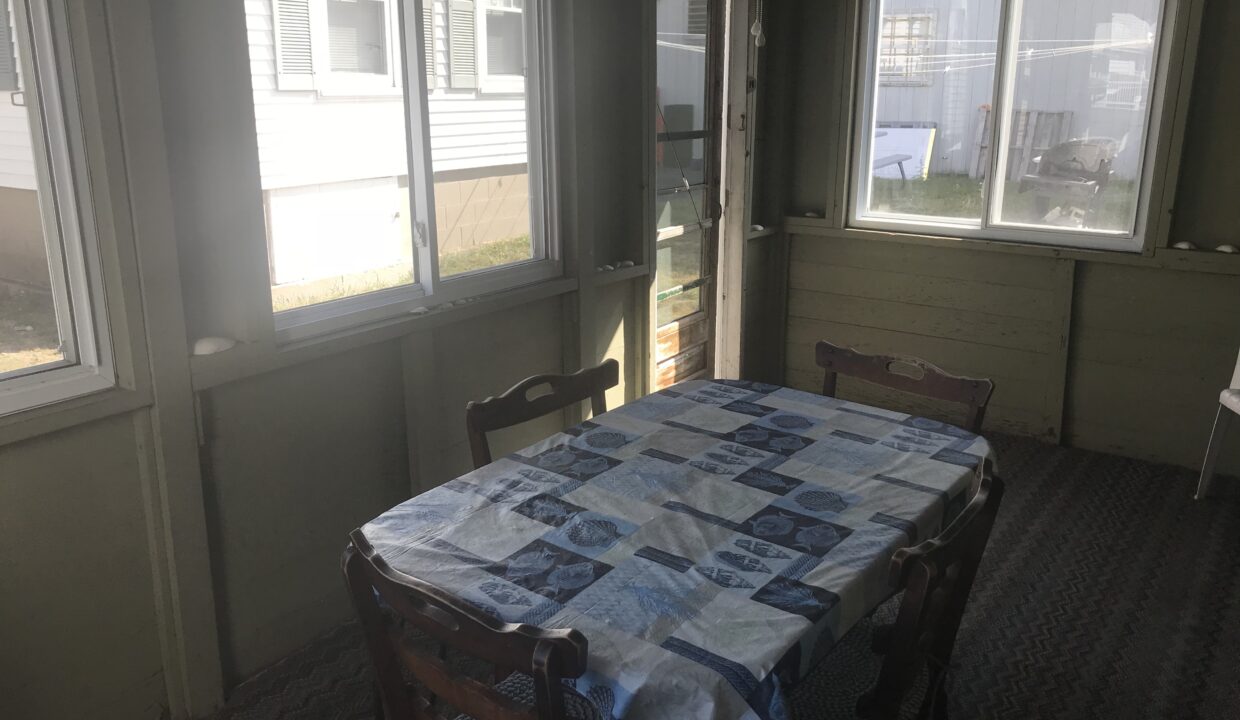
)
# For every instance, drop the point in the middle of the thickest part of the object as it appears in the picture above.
(1228, 406)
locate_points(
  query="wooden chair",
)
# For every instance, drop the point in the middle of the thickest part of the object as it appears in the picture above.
(516, 405)
(546, 656)
(918, 377)
(936, 576)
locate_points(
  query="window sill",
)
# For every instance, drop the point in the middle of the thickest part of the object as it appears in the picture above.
(249, 359)
(1164, 258)
(64, 414)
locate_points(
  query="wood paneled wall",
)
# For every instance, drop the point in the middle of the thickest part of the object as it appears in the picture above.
(983, 314)
(1118, 357)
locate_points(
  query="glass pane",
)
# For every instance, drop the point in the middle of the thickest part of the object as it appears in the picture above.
(680, 260)
(684, 207)
(334, 170)
(1073, 148)
(681, 94)
(505, 43)
(677, 306)
(30, 331)
(481, 161)
(679, 164)
(357, 36)
(933, 88)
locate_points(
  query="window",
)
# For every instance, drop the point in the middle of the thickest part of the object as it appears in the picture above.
(54, 342)
(357, 36)
(335, 46)
(502, 55)
(1006, 119)
(429, 194)
(904, 52)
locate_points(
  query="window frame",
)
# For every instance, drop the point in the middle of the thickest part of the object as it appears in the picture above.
(328, 82)
(430, 291)
(58, 143)
(497, 83)
(857, 185)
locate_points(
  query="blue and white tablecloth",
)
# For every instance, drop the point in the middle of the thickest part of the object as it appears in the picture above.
(712, 541)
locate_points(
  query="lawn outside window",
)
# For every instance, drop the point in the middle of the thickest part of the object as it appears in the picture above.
(1009, 120)
(54, 337)
(439, 191)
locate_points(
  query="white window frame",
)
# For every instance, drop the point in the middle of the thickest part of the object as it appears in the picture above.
(429, 290)
(67, 210)
(990, 228)
(329, 82)
(488, 83)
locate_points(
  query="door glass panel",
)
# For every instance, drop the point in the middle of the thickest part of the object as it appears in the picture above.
(934, 87)
(674, 208)
(678, 306)
(680, 260)
(1079, 169)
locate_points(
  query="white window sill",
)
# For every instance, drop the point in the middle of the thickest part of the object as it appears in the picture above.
(1166, 258)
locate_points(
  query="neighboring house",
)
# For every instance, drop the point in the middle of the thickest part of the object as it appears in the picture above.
(331, 129)
(22, 255)
(1084, 65)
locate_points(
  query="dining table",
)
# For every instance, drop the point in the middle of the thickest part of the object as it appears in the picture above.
(712, 540)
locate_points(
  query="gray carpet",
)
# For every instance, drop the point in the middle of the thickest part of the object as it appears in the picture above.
(1106, 592)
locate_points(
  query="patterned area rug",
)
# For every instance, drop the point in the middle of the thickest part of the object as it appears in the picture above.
(1106, 592)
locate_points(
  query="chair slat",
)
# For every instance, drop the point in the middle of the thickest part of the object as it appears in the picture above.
(462, 692)
(936, 576)
(515, 406)
(933, 382)
(547, 655)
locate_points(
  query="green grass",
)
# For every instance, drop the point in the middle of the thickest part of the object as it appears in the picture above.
(29, 335)
(958, 196)
(492, 254)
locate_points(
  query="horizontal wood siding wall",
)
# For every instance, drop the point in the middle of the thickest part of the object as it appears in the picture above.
(305, 138)
(996, 316)
(1107, 357)
(1151, 349)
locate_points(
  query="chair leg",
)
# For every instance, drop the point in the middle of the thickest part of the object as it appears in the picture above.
(1221, 422)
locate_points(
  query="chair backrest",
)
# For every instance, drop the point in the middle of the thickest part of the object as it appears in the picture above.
(1085, 158)
(527, 400)
(936, 576)
(919, 378)
(547, 656)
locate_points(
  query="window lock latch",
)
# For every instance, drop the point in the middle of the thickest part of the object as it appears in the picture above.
(419, 229)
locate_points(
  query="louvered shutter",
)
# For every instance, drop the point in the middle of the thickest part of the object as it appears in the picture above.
(8, 58)
(428, 40)
(294, 48)
(699, 17)
(462, 43)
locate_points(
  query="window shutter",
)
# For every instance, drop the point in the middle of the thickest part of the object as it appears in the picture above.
(294, 49)
(428, 40)
(462, 43)
(699, 17)
(8, 58)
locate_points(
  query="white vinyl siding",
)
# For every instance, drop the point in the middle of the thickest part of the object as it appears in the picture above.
(467, 131)
(16, 156)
